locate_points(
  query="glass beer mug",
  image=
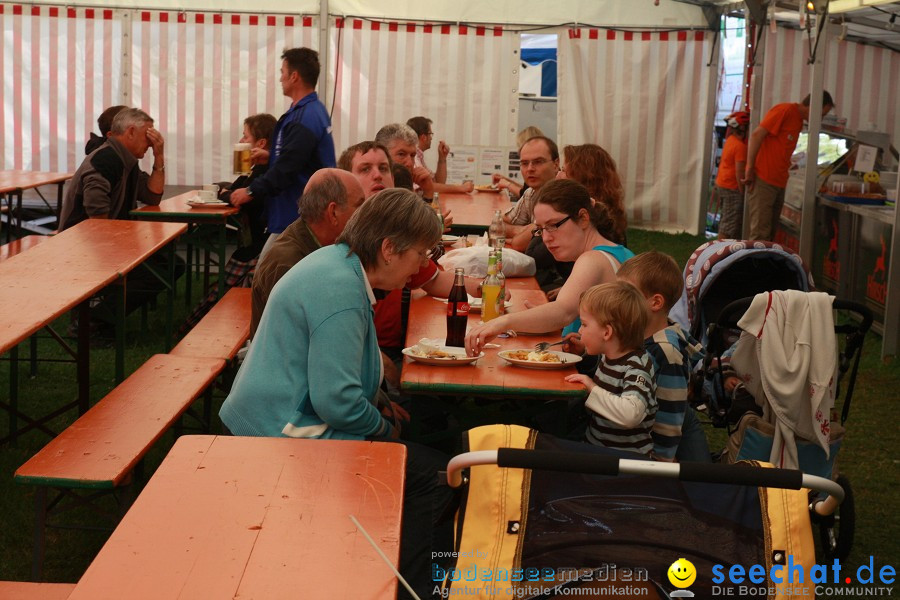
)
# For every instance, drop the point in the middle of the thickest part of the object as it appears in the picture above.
(242, 159)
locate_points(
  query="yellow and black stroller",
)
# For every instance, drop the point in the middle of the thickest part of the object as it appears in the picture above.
(542, 517)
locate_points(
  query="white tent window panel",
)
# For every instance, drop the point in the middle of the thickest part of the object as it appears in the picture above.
(463, 78)
(864, 80)
(199, 75)
(643, 97)
(60, 71)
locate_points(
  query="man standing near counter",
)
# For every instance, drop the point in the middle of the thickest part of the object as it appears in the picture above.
(769, 153)
(302, 144)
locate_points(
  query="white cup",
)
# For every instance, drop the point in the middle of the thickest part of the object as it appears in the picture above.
(205, 195)
(211, 187)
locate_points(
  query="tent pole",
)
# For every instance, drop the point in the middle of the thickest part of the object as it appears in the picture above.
(324, 92)
(711, 93)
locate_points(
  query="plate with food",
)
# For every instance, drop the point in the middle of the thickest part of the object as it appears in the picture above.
(531, 359)
(449, 239)
(486, 188)
(441, 356)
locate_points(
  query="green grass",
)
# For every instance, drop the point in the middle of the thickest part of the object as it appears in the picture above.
(867, 456)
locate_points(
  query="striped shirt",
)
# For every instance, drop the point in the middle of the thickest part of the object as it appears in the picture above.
(673, 352)
(623, 405)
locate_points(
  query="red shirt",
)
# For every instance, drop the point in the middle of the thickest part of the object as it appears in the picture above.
(387, 310)
(733, 152)
(784, 122)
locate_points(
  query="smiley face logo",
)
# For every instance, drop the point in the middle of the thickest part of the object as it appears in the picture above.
(682, 573)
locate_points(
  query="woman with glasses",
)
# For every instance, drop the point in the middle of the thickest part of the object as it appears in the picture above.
(569, 223)
(314, 368)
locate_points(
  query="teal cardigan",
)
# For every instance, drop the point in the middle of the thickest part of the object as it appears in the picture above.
(314, 366)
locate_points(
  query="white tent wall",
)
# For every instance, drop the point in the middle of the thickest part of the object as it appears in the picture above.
(201, 74)
(463, 78)
(52, 91)
(863, 79)
(642, 97)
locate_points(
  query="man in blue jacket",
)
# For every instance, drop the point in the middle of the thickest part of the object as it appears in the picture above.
(302, 144)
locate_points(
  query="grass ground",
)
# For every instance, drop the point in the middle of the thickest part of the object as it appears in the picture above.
(867, 456)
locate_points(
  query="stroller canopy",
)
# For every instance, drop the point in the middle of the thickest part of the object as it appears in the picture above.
(719, 272)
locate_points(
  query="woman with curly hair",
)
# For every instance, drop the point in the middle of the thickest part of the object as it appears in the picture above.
(593, 167)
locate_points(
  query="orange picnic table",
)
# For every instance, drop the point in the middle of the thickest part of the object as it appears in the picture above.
(473, 213)
(491, 375)
(201, 220)
(242, 517)
(14, 182)
(49, 279)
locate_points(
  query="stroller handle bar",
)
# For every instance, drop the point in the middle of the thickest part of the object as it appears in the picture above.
(573, 462)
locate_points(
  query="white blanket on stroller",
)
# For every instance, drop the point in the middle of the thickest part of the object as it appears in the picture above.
(789, 344)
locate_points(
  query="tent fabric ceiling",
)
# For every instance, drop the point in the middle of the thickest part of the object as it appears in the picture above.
(524, 12)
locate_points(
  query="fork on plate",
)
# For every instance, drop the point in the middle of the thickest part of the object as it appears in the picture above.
(542, 346)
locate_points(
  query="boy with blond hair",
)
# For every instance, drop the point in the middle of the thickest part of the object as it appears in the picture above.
(621, 400)
(673, 352)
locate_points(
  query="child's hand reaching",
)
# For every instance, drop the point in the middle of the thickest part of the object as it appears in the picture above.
(731, 383)
(584, 380)
(573, 344)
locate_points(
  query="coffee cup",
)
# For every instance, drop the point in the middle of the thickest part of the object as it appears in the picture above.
(242, 159)
(211, 187)
(206, 195)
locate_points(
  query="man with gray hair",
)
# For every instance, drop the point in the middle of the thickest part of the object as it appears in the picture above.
(109, 182)
(329, 200)
(400, 141)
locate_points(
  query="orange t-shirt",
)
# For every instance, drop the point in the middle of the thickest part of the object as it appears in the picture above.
(733, 152)
(784, 122)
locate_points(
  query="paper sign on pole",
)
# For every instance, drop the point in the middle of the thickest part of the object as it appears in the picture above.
(865, 158)
(462, 164)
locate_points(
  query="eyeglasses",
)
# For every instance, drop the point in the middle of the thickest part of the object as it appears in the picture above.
(536, 163)
(550, 228)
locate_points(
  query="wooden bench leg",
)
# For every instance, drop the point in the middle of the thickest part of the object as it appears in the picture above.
(40, 522)
(32, 346)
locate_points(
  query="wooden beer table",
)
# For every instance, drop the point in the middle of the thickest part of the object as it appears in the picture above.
(473, 213)
(242, 517)
(44, 282)
(491, 375)
(211, 220)
(12, 185)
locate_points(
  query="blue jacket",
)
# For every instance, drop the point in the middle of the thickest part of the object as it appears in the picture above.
(302, 145)
(314, 366)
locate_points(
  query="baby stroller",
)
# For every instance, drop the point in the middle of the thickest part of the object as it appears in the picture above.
(564, 519)
(769, 411)
(721, 271)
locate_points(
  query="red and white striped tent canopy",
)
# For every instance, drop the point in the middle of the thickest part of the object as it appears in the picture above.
(633, 77)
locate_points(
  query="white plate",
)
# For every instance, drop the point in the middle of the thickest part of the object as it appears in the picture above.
(206, 204)
(566, 360)
(458, 360)
(450, 239)
(486, 188)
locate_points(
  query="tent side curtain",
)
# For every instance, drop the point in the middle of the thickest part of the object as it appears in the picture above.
(199, 75)
(864, 80)
(643, 97)
(464, 79)
(52, 89)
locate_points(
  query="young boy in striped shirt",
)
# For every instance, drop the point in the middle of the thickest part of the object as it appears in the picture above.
(677, 433)
(621, 402)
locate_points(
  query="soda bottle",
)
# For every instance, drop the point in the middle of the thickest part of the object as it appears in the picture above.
(490, 291)
(502, 279)
(497, 231)
(457, 311)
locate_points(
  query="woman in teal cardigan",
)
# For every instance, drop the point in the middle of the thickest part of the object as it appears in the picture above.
(314, 367)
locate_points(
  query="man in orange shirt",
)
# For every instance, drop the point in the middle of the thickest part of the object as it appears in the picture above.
(728, 183)
(769, 159)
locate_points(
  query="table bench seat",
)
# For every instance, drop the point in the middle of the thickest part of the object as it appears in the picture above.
(26, 590)
(222, 331)
(99, 451)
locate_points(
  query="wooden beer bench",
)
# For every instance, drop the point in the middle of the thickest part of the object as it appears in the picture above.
(26, 590)
(98, 453)
(222, 331)
(20, 245)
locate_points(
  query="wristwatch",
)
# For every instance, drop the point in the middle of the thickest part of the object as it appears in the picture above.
(159, 167)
